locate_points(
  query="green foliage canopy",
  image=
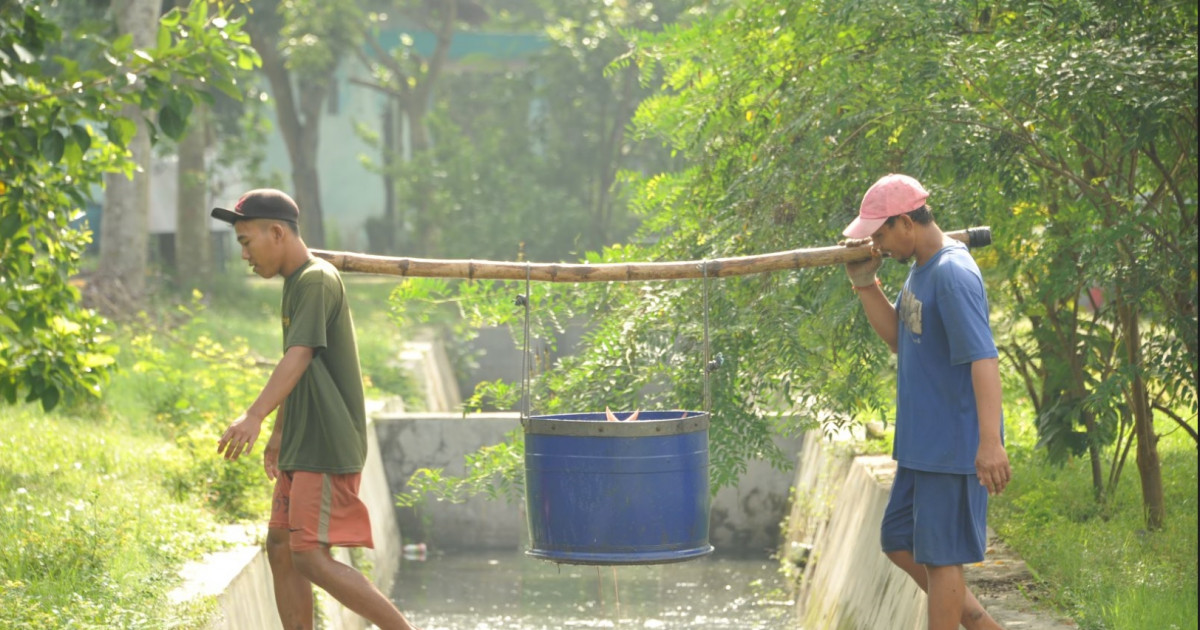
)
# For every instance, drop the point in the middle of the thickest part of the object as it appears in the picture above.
(1068, 126)
(60, 131)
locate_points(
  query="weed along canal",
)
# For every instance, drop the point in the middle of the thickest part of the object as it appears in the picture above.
(512, 591)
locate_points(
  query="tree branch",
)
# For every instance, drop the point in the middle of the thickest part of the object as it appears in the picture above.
(1179, 420)
(445, 36)
(371, 85)
(388, 62)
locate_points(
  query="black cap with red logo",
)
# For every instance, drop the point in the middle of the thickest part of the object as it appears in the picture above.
(261, 203)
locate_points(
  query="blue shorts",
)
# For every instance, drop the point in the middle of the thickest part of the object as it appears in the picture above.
(941, 518)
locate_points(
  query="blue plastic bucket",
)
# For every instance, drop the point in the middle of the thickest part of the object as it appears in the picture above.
(632, 492)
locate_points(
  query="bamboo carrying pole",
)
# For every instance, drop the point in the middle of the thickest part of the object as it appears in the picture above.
(617, 272)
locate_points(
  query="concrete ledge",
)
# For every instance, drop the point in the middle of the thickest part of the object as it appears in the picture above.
(239, 578)
(411, 441)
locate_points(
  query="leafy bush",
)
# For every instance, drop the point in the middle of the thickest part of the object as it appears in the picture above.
(62, 130)
(192, 386)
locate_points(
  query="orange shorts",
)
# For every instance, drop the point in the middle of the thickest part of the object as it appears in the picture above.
(320, 509)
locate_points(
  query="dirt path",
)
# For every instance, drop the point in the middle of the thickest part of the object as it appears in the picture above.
(1001, 582)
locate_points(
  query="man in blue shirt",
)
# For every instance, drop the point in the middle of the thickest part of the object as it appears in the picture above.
(949, 444)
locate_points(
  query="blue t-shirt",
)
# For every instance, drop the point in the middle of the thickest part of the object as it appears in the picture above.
(943, 313)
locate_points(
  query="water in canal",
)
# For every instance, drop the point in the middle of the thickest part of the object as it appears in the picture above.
(511, 591)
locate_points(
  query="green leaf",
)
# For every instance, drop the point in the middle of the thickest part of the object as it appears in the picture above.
(228, 88)
(122, 44)
(50, 398)
(72, 153)
(8, 323)
(70, 68)
(171, 18)
(120, 131)
(27, 139)
(9, 225)
(82, 137)
(52, 146)
(246, 60)
(171, 122)
(182, 103)
(95, 360)
(164, 37)
(199, 11)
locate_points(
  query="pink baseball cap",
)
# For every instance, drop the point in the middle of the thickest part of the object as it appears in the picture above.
(892, 195)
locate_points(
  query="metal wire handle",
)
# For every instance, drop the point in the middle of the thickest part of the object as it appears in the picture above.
(708, 362)
(708, 365)
(523, 300)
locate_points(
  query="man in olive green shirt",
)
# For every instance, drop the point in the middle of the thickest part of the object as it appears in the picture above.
(318, 444)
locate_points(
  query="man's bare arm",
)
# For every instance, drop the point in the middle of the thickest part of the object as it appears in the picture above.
(240, 436)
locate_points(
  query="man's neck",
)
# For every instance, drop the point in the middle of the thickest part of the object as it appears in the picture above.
(297, 256)
(929, 241)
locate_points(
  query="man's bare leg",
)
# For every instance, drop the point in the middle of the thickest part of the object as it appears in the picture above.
(974, 616)
(947, 593)
(293, 592)
(349, 587)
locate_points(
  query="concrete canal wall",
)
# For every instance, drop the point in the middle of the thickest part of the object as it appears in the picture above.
(846, 583)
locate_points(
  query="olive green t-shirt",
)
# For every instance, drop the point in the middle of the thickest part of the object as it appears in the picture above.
(324, 422)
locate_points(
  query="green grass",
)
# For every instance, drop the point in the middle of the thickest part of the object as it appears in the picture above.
(1097, 563)
(91, 535)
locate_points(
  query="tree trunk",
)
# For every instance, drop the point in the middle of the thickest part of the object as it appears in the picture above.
(307, 185)
(388, 238)
(125, 226)
(1149, 466)
(314, 94)
(193, 248)
(428, 234)
(300, 125)
(428, 231)
(624, 106)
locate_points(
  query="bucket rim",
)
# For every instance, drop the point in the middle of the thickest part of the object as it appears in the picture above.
(594, 424)
(616, 558)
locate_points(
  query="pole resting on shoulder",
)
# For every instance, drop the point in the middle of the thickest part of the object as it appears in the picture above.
(619, 272)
